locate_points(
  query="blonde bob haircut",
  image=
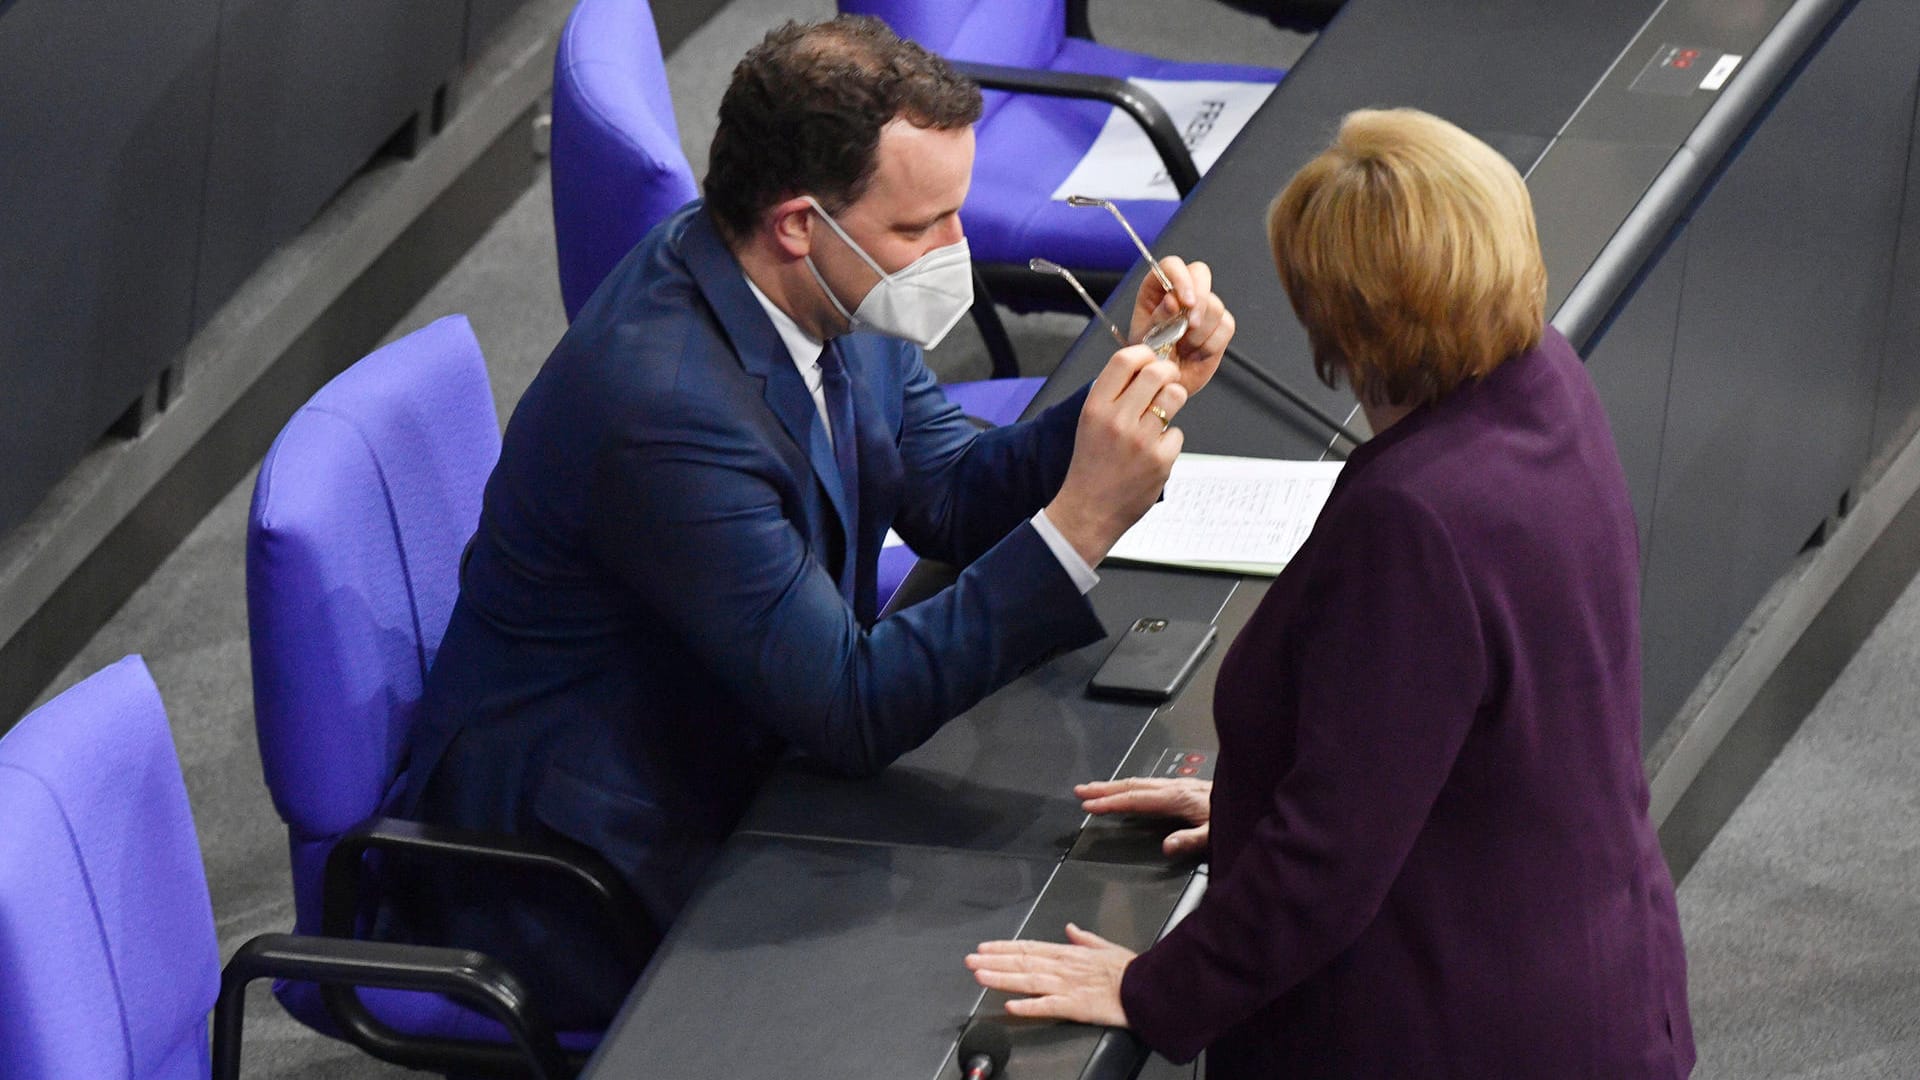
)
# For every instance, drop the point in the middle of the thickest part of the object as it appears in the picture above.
(1408, 250)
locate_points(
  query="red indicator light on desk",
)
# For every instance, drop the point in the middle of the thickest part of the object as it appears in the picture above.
(1186, 770)
(1683, 63)
(1195, 759)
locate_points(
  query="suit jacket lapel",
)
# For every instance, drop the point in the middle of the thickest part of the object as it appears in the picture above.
(761, 352)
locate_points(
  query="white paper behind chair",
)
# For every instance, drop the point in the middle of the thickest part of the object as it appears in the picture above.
(1122, 164)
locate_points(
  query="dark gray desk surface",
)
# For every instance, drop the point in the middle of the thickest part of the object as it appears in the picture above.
(828, 939)
(998, 778)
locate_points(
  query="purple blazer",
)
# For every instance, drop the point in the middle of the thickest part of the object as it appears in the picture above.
(1431, 850)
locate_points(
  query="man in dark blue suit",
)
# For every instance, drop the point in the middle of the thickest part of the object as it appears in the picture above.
(672, 583)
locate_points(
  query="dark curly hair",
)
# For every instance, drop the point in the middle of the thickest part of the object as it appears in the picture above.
(805, 109)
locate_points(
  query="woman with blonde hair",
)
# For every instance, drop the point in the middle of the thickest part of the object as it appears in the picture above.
(1429, 842)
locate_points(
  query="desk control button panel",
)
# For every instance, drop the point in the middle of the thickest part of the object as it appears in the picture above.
(1181, 762)
(1680, 70)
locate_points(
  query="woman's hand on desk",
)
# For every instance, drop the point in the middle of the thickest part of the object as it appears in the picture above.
(1189, 800)
(1078, 981)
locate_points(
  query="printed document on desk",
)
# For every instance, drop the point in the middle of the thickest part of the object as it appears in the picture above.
(1233, 514)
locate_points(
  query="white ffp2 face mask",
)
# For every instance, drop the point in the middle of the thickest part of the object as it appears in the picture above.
(920, 302)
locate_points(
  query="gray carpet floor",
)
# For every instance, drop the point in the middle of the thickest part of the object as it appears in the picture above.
(1801, 917)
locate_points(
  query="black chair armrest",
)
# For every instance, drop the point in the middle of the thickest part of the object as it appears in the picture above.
(340, 902)
(340, 909)
(468, 976)
(1137, 103)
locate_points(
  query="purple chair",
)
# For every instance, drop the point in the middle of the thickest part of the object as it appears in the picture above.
(617, 165)
(108, 958)
(360, 514)
(1050, 90)
(618, 170)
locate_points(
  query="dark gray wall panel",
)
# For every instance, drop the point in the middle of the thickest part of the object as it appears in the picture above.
(483, 18)
(673, 20)
(1777, 358)
(1631, 366)
(102, 151)
(307, 91)
(1900, 364)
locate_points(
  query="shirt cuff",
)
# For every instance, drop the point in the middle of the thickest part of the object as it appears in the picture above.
(1076, 567)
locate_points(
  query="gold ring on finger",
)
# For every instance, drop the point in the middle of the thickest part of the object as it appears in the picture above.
(1165, 420)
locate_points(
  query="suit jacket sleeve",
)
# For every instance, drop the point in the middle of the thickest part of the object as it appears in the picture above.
(1390, 674)
(967, 488)
(697, 512)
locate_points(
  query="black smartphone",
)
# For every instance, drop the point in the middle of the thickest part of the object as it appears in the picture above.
(1152, 659)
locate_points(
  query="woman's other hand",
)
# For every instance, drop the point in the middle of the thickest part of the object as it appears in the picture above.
(1078, 981)
(1190, 801)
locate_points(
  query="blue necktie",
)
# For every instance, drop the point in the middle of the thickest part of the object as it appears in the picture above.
(846, 452)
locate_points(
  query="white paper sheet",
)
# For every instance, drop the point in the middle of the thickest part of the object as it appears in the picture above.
(1122, 164)
(1248, 515)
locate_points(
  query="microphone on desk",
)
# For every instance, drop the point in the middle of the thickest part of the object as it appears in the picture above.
(983, 1051)
(1294, 397)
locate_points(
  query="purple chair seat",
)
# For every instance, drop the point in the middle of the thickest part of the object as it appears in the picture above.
(997, 401)
(108, 959)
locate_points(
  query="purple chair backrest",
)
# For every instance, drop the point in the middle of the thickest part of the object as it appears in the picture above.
(108, 959)
(618, 169)
(1019, 33)
(359, 517)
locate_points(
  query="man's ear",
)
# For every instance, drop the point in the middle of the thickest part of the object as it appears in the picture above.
(790, 225)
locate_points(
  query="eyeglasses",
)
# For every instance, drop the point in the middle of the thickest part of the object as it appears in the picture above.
(1162, 336)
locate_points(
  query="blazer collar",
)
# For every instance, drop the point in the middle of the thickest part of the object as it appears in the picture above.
(761, 352)
(1461, 400)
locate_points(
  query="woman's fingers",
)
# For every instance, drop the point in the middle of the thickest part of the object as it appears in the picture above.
(1051, 1007)
(1078, 980)
(1021, 953)
(1183, 798)
(1094, 789)
(1088, 938)
(1185, 842)
(1147, 801)
(1018, 982)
